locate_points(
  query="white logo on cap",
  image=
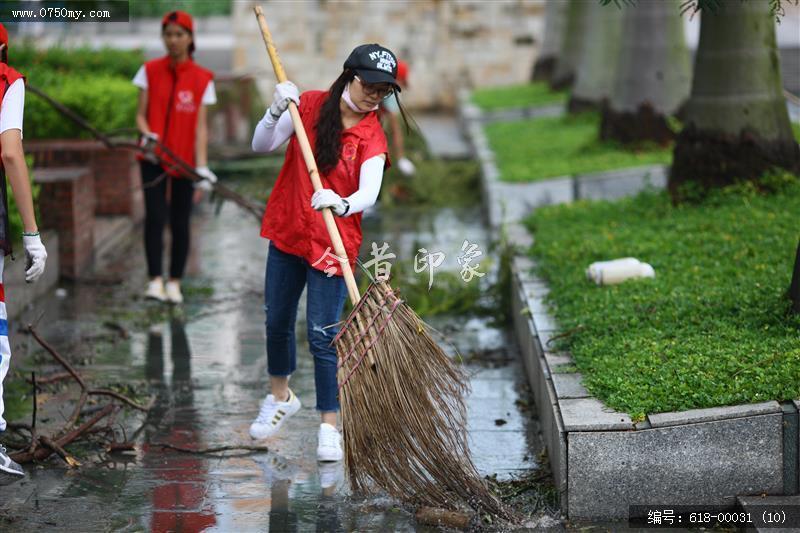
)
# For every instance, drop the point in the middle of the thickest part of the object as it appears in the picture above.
(385, 60)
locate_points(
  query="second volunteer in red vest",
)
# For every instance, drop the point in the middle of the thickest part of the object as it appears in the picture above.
(351, 153)
(172, 111)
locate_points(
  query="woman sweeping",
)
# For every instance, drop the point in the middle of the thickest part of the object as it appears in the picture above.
(12, 103)
(351, 152)
(174, 93)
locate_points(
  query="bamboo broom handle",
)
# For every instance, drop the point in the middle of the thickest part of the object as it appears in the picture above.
(308, 156)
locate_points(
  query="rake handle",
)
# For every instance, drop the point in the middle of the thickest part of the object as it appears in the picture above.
(308, 157)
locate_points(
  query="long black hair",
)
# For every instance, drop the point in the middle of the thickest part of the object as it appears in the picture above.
(329, 123)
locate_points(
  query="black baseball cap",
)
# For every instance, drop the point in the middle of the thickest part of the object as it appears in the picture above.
(374, 64)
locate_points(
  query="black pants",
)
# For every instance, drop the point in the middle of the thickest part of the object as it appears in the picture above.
(156, 211)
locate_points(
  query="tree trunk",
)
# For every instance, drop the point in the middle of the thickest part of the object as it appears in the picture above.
(653, 74)
(794, 288)
(594, 76)
(554, 20)
(736, 121)
(564, 73)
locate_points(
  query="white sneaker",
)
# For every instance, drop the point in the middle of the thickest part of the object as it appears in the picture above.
(329, 447)
(173, 292)
(155, 290)
(272, 415)
(7, 465)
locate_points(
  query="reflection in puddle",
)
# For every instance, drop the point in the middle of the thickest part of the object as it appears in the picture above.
(209, 373)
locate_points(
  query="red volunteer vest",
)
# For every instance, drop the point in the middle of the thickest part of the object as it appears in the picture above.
(174, 97)
(7, 76)
(289, 221)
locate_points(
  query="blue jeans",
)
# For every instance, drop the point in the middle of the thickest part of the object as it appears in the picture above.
(285, 278)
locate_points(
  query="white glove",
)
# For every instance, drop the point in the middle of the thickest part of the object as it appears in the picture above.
(284, 92)
(209, 178)
(35, 257)
(406, 166)
(327, 198)
(148, 141)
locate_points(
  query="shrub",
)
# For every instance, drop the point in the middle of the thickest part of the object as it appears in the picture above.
(27, 58)
(107, 102)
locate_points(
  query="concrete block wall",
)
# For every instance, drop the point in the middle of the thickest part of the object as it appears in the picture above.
(117, 183)
(448, 44)
(67, 205)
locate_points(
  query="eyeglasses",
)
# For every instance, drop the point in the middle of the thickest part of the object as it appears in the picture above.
(374, 89)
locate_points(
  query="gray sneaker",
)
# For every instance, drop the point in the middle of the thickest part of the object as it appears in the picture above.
(7, 465)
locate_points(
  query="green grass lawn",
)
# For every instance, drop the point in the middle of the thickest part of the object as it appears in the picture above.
(525, 95)
(712, 328)
(533, 150)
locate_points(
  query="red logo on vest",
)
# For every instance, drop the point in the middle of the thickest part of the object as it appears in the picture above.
(185, 102)
(349, 151)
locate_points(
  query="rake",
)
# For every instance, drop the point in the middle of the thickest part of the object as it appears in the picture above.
(401, 397)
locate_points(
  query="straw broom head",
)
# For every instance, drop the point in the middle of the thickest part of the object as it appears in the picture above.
(403, 412)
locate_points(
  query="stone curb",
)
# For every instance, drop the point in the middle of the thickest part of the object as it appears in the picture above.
(602, 462)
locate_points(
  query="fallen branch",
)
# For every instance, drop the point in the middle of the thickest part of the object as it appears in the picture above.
(43, 453)
(120, 397)
(85, 390)
(33, 415)
(52, 351)
(61, 452)
(53, 378)
(202, 451)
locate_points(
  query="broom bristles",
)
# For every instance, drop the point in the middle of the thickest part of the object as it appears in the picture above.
(404, 418)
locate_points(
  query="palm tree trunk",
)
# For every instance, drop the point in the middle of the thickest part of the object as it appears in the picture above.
(794, 288)
(595, 75)
(737, 125)
(574, 30)
(653, 74)
(554, 19)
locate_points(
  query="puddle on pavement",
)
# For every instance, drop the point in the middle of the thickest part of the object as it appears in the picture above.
(206, 365)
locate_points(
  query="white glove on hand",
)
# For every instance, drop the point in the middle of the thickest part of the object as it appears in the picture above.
(405, 166)
(209, 178)
(327, 198)
(284, 92)
(35, 257)
(148, 142)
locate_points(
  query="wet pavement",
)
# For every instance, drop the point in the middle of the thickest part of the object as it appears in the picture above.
(206, 365)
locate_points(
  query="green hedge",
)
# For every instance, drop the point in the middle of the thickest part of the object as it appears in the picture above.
(28, 59)
(107, 102)
(96, 84)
